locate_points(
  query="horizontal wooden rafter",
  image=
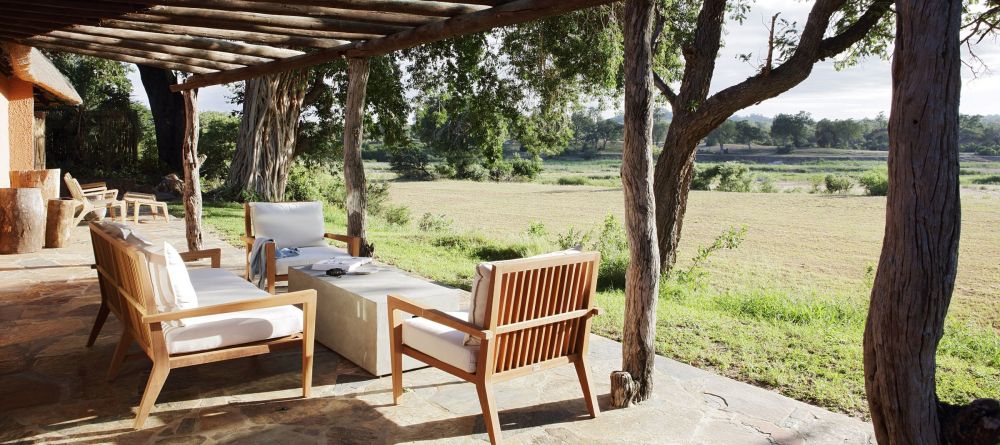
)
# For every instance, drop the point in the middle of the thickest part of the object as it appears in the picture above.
(221, 41)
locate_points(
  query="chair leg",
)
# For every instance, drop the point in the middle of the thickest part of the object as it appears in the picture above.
(102, 316)
(119, 357)
(583, 372)
(396, 353)
(156, 379)
(135, 212)
(490, 417)
(308, 334)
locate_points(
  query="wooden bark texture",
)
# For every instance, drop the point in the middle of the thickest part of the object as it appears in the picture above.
(39, 142)
(642, 276)
(354, 168)
(59, 222)
(167, 108)
(919, 259)
(265, 144)
(192, 167)
(22, 220)
(47, 181)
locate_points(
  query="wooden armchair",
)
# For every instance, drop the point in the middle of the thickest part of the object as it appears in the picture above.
(234, 319)
(538, 316)
(94, 196)
(291, 224)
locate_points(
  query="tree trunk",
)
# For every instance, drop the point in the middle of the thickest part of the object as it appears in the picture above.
(265, 144)
(192, 167)
(674, 173)
(916, 273)
(22, 220)
(354, 168)
(59, 222)
(635, 383)
(167, 108)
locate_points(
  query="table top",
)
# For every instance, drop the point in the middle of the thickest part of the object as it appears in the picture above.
(376, 285)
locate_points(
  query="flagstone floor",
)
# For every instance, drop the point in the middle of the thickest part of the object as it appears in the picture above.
(52, 388)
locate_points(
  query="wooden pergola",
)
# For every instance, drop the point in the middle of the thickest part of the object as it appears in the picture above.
(223, 41)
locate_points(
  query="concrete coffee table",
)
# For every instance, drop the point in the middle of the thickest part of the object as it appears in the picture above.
(351, 316)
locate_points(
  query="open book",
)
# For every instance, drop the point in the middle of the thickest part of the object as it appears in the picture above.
(347, 263)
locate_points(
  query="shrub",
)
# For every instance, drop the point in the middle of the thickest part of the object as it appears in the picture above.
(838, 183)
(612, 243)
(784, 150)
(472, 172)
(573, 180)
(501, 171)
(766, 185)
(313, 182)
(526, 169)
(444, 171)
(396, 215)
(695, 275)
(434, 223)
(411, 163)
(537, 229)
(733, 177)
(815, 181)
(988, 180)
(572, 238)
(875, 182)
(701, 180)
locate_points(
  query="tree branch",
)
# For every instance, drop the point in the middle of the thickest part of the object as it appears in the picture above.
(665, 89)
(857, 31)
(657, 80)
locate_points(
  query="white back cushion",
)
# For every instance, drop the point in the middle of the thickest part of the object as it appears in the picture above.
(289, 224)
(481, 291)
(172, 289)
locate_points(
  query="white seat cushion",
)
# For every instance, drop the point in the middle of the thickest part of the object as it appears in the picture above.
(217, 286)
(307, 256)
(289, 224)
(441, 342)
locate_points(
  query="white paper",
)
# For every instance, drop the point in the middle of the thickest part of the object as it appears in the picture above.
(348, 264)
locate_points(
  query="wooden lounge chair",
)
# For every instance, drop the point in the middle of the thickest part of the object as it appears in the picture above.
(233, 319)
(93, 197)
(538, 315)
(291, 224)
(137, 200)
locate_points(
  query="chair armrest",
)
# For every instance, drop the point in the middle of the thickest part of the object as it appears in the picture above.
(140, 196)
(214, 254)
(402, 304)
(248, 240)
(305, 297)
(94, 186)
(353, 242)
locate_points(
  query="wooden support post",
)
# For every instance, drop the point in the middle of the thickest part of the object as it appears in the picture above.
(635, 383)
(39, 133)
(354, 169)
(192, 167)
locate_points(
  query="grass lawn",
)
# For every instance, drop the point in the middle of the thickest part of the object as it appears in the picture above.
(785, 310)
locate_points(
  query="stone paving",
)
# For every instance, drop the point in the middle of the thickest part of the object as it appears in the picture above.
(52, 388)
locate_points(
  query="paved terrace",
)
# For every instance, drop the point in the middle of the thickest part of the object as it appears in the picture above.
(52, 388)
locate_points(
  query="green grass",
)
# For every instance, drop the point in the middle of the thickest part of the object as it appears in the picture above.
(801, 340)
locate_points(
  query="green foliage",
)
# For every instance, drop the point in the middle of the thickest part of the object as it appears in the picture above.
(696, 274)
(396, 215)
(573, 180)
(794, 129)
(612, 243)
(537, 229)
(430, 222)
(838, 183)
(875, 182)
(217, 142)
(731, 177)
(572, 238)
(766, 185)
(846, 133)
(313, 182)
(992, 180)
(526, 169)
(445, 170)
(411, 162)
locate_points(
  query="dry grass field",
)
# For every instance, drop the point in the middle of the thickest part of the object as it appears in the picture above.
(801, 243)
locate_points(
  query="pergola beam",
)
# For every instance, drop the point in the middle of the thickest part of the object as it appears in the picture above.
(101, 48)
(361, 15)
(506, 14)
(215, 33)
(204, 43)
(122, 58)
(422, 7)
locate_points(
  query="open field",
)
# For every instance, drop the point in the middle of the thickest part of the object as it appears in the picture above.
(785, 310)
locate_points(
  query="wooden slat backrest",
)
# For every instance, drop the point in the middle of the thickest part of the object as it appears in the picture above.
(124, 273)
(74, 187)
(536, 288)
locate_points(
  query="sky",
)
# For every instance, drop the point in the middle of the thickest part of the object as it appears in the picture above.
(860, 91)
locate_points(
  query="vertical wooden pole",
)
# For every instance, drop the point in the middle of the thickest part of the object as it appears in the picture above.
(192, 167)
(635, 382)
(354, 168)
(39, 133)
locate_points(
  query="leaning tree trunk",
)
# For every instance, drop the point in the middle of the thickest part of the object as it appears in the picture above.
(354, 168)
(674, 173)
(916, 273)
(635, 382)
(167, 108)
(192, 172)
(265, 144)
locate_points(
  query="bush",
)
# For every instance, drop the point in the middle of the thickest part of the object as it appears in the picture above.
(784, 150)
(572, 238)
(396, 215)
(573, 180)
(838, 183)
(434, 223)
(217, 141)
(875, 182)
(766, 185)
(987, 180)
(501, 171)
(444, 171)
(411, 163)
(733, 177)
(701, 180)
(472, 172)
(537, 229)
(526, 169)
(313, 182)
